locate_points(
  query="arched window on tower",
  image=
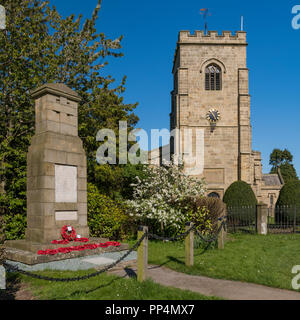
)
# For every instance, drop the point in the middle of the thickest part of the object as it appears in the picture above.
(213, 77)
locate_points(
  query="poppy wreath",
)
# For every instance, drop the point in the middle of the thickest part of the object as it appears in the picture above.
(71, 236)
(68, 235)
(53, 252)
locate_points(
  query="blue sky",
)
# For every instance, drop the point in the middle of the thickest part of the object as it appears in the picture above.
(150, 30)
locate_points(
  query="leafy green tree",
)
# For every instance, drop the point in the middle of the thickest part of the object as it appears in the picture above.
(276, 158)
(279, 157)
(287, 171)
(116, 181)
(282, 159)
(40, 46)
(287, 156)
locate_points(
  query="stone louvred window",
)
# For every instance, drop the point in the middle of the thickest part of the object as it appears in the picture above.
(213, 77)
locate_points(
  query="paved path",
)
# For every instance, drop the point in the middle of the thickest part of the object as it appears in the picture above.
(226, 289)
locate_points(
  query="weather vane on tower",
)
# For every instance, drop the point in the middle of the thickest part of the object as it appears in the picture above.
(205, 12)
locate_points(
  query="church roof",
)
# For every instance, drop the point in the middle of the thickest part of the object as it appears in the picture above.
(272, 180)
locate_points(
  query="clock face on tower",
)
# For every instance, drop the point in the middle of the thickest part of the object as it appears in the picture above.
(213, 116)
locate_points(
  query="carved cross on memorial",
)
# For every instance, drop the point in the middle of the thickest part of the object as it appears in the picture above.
(56, 167)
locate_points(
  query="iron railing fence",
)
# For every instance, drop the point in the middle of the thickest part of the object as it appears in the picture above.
(284, 219)
(241, 219)
(281, 219)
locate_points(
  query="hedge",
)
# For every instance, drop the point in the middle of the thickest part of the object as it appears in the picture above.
(239, 194)
(289, 194)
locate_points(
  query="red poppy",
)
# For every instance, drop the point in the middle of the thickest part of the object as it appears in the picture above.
(81, 240)
(60, 241)
(68, 235)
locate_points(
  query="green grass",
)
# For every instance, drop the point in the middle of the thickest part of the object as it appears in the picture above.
(266, 260)
(104, 287)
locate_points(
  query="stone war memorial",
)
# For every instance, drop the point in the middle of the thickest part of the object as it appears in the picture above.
(56, 183)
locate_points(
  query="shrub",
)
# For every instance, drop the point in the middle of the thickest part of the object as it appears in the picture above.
(15, 226)
(239, 194)
(289, 194)
(156, 199)
(288, 200)
(204, 212)
(106, 217)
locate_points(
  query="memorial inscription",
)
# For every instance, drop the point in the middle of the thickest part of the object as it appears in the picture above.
(66, 215)
(65, 184)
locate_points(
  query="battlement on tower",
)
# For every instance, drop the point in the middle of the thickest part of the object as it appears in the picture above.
(213, 37)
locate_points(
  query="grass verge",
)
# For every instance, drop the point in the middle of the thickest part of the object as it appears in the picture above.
(266, 260)
(103, 287)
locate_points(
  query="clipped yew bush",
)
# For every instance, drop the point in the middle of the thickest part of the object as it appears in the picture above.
(289, 194)
(288, 203)
(239, 194)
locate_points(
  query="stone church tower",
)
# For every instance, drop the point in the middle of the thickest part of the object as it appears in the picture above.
(211, 93)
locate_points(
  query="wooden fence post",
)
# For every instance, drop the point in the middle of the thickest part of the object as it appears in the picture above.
(221, 235)
(189, 246)
(142, 255)
(261, 218)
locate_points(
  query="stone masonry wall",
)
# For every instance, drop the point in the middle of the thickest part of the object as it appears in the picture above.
(228, 147)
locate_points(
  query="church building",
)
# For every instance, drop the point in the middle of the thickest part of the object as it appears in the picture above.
(211, 92)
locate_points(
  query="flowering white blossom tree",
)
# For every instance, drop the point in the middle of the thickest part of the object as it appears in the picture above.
(157, 197)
